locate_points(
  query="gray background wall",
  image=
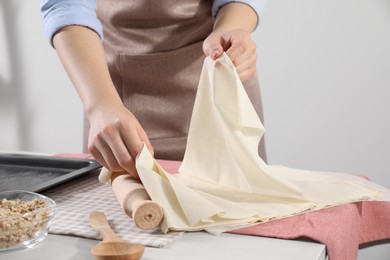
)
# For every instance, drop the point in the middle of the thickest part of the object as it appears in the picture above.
(325, 76)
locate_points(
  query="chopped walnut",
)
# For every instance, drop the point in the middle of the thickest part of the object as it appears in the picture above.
(21, 220)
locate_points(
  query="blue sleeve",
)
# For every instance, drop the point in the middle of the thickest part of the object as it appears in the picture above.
(257, 5)
(60, 13)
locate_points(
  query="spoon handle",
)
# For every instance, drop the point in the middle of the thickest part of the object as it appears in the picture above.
(99, 222)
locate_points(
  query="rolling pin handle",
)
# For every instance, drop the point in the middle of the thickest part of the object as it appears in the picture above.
(135, 201)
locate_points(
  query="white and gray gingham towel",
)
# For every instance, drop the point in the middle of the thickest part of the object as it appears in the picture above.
(77, 198)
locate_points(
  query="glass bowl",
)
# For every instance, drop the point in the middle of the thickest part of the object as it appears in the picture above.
(25, 219)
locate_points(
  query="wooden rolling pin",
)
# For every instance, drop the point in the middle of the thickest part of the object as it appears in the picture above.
(135, 201)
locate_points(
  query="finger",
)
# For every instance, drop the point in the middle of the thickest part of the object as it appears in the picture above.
(129, 166)
(101, 159)
(236, 50)
(246, 72)
(241, 43)
(98, 156)
(102, 149)
(133, 145)
(249, 54)
(246, 75)
(246, 66)
(122, 155)
(132, 140)
(144, 138)
(112, 149)
(213, 46)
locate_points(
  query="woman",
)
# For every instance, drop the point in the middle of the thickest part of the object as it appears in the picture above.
(138, 82)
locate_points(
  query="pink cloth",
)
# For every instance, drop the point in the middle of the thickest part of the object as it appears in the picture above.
(75, 155)
(341, 228)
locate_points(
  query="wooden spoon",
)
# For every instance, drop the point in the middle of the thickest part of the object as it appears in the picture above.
(112, 247)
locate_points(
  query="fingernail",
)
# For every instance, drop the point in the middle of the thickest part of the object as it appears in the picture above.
(214, 53)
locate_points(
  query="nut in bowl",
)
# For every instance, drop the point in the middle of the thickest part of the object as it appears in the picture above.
(25, 219)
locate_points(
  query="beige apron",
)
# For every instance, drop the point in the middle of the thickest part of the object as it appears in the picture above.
(154, 54)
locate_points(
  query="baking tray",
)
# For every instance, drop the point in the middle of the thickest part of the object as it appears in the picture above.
(36, 172)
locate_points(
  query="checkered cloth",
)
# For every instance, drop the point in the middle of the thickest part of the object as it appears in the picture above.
(77, 198)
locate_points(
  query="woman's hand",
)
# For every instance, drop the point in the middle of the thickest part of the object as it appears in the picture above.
(232, 33)
(238, 45)
(116, 137)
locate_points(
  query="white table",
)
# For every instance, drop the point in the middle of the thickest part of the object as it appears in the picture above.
(195, 245)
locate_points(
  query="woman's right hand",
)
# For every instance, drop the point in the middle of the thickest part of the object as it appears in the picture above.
(116, 137)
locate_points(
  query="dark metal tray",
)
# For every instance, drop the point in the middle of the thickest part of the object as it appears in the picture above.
(36, 173)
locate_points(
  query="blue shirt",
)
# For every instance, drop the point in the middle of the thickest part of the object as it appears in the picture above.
(60, 13)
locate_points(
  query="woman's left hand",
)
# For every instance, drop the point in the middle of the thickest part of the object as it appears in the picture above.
(238, 45)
